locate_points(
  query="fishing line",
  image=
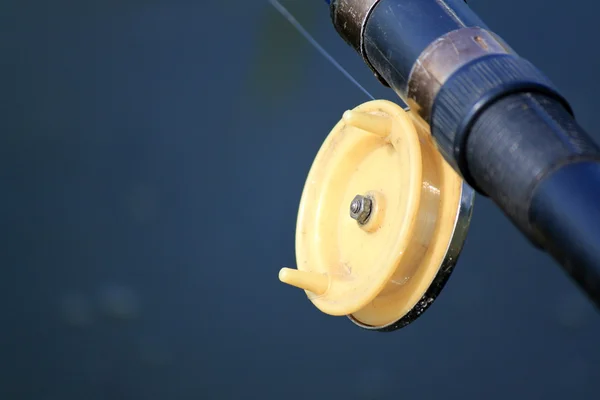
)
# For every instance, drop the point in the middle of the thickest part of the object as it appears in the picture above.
(287, 15)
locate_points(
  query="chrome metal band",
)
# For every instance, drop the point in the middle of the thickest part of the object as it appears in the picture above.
(442, 58)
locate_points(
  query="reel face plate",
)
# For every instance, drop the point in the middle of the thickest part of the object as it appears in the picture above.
(381, 221)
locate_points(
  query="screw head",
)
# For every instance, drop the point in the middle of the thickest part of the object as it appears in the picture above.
(360, 209)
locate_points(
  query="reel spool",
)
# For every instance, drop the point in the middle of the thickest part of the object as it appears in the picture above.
(381, 222)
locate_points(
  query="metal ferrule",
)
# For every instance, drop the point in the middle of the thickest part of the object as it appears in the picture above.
(442, 58)
(349, 19)
(415, 45)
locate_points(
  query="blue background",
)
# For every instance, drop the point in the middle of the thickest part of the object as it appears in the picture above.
(153, 154)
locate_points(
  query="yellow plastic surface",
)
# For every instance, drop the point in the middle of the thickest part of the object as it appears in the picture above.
(377, 272)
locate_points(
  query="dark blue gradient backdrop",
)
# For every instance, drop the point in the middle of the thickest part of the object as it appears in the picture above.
(153, 154)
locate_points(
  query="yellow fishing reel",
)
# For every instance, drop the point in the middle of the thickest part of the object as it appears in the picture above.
(381, 222)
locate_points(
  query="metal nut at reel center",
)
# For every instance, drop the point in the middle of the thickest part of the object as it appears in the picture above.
(360, 209)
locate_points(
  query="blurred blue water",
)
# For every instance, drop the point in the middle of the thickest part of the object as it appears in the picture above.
(153, 156)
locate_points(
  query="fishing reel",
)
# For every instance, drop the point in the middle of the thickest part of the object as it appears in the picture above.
(382, 220)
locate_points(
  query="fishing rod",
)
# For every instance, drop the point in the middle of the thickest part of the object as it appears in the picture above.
(481, 119)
